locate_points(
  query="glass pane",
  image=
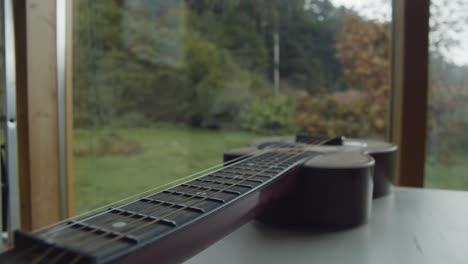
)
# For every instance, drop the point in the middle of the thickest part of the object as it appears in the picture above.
(447, 148)
(2, 129)
(161, 88)
(2, 75)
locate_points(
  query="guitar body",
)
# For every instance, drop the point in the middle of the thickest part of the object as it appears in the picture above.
(278, 181)
(332, 190)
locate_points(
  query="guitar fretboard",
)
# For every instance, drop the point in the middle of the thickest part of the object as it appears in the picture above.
(119, 230)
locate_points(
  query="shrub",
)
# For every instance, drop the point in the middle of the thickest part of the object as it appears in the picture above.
(329, 116)
(272, 115)
(109, 144)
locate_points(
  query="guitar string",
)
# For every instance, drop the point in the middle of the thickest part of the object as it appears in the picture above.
(216, 185)
(242, 158)
(28, 250)
(156, 206)
(207, 171)
(137, 211)
(222, 183)
(77, 258)
(144, 207)
(45, 254)
(233, 181)
(297, 154)
(90, 213)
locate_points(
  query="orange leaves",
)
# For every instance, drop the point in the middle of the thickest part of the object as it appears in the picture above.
(363, 48)
(338, 114)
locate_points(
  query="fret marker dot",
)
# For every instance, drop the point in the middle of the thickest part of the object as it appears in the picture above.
(119, 224)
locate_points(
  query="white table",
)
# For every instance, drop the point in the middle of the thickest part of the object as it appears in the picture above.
(409, 226)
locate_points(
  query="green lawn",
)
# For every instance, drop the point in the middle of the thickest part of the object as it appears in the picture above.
(166, 154)
(450, 176)
(149, 157)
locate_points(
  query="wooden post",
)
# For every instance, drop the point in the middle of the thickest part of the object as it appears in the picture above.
(37, 112)
(410, 88)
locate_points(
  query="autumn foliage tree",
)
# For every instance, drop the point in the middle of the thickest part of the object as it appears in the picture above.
(363, 48)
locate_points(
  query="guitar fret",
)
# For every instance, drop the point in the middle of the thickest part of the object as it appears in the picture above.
(206, 179)
(117, 222)
(183, 200)
(195, 195)
(234, 188)
(175, 205)
(231, 180)
(125, 220)
(238, 177)
(211, 189)
(140, 216)
(235, 173)
(250, 174)
(207, 194)
(243, 188)
(266, 174)
(96, 230)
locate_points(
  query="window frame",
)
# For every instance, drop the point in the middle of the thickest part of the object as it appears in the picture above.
(41, 196)
(410, 69)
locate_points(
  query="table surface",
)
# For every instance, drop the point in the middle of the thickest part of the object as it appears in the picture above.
(409, 226)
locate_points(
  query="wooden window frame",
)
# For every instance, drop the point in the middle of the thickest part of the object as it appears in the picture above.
(410, 65)
(41, 198)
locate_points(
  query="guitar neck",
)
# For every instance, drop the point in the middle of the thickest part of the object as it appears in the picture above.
(150, 226)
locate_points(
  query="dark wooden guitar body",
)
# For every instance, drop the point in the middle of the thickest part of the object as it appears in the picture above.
(320, 186)
(334, 190)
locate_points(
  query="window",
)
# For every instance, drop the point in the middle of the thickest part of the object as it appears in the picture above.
(447, 148)
(161, 88)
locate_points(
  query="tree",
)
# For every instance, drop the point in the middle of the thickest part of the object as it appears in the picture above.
(363, 48)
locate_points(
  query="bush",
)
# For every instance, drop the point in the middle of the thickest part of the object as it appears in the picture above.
(272, 115)
(329, 116)
(109, 144)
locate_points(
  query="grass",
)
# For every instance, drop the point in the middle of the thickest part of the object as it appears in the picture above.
(453, 176)
(167, 154)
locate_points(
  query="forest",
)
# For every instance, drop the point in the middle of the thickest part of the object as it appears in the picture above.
(201, 63)
(212, 64)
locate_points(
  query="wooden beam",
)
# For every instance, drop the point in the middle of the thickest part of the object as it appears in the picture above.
(22, 110)
(410, 88)
(37, 112)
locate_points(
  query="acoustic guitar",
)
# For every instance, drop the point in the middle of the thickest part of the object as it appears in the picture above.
(306, 181)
